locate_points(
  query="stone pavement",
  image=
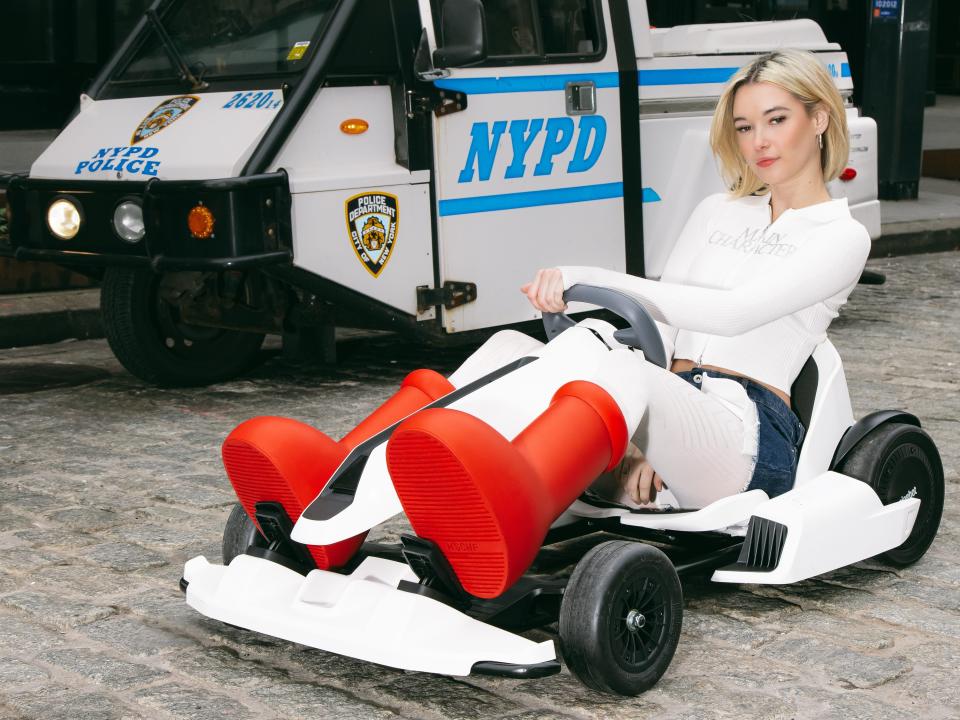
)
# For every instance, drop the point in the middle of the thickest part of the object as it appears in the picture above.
(108, 486)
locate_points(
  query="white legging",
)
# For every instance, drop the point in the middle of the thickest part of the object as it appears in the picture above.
(701, 442)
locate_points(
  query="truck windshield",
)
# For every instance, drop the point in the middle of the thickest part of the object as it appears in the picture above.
(229, 38)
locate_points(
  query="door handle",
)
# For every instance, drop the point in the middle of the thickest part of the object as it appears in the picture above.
(581, 97)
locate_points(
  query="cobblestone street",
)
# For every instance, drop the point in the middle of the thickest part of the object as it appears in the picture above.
(108, 486)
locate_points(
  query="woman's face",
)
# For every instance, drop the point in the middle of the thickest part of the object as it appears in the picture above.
(776, 136)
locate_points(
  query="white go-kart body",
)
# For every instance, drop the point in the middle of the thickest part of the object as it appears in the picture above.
(827, 521)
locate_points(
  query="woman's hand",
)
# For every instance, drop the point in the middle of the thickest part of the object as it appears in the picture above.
(637, 477)
(545, 293)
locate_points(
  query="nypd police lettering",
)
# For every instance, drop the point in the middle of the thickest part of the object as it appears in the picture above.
(128, 159)
(558, 134)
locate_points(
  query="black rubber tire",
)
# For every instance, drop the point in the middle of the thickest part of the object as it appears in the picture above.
(897, 459)
(596, 641)
(239, 534)
(146, 335)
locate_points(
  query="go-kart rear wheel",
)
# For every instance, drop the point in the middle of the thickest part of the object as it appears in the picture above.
(898, 461)
(239, 534)
(620, 617)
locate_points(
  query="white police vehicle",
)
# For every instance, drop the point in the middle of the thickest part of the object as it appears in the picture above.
(242, 168)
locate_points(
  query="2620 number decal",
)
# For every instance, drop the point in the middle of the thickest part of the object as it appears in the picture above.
(253, 100)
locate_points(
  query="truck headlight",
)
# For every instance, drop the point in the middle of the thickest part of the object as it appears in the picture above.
(128, 221)
(64, 219)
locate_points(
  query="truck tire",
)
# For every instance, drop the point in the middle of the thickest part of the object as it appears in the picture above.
(149, 340)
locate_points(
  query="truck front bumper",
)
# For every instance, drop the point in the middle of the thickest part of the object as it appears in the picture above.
(251, 229)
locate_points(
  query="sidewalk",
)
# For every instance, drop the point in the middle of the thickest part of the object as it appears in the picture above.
(931, 223)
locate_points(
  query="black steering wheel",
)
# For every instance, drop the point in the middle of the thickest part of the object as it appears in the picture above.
(642, 333)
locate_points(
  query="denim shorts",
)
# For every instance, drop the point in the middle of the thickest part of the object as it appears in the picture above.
(780, 434)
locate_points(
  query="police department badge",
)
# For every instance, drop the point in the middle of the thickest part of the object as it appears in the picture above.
(165, 114)
(373, 220)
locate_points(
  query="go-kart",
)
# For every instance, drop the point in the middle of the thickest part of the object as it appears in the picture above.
(494, 475)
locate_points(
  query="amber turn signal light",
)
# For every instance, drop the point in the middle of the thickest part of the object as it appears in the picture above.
(354, 126)
(200, 221)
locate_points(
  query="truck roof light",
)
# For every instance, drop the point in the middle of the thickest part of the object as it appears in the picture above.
(354, 126)
(200, 221)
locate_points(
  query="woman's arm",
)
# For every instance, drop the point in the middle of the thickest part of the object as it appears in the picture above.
(824, 266)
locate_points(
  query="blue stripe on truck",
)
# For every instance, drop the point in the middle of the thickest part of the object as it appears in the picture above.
(686, 76)
(534, 198)
(542, 83)
(525, 83)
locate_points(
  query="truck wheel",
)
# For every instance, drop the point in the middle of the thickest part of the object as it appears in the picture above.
(899, 460)
(620, 617)
(239, 533)
(149, 340)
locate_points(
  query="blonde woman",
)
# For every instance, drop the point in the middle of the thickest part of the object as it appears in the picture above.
(753, 282)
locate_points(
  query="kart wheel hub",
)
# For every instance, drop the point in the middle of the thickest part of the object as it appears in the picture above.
(635, 620)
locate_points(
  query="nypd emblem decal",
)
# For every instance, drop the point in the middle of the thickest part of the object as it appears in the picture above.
(373, 219)
(164, 115)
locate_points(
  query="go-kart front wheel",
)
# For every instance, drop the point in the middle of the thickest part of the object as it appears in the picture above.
(620, 617)
(239, 534)
(898, 461)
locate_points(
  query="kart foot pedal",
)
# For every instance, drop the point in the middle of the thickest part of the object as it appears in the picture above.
(437, 579)
(276, 527)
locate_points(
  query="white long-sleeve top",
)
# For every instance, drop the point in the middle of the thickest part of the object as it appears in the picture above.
(744, 293)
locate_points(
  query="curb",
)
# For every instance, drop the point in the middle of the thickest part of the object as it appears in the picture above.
(47, 317)
(43, 328)
(913, 238)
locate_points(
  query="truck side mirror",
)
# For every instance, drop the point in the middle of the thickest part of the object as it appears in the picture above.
(463, 31)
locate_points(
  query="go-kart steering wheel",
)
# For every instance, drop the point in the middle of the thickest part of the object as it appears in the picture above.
(642, 333)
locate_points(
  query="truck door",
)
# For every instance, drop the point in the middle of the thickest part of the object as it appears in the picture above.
(529, 174)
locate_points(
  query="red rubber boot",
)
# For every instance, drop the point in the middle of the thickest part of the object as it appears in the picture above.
(488, 502)
(274, 459)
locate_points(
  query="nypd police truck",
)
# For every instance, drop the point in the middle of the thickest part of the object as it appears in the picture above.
(246, 168)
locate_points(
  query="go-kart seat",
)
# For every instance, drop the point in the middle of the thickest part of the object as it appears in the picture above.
(803, 392)
(821, 400)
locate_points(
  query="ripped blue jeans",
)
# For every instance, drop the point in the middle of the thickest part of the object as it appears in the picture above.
(780, 434)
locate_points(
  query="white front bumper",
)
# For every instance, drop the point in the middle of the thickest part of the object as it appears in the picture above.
(361, 615)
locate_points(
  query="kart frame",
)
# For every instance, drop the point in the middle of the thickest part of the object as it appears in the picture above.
(401, 604)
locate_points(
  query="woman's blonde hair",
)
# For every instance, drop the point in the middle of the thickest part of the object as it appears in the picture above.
(803, 76)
